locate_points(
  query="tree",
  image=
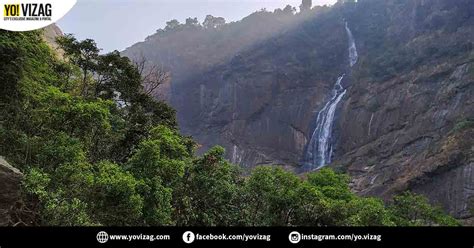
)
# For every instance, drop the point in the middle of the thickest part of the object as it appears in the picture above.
(85, 194)
(331, 184)
(55, 209)
(212, 22)
(209, 192)
(81, 53)
(409, 209)
(117, 78)
(310, 208)
(306, 5)
(86, 120)
(114, 194)
(131, 87)
(57, 149)
(270, 196)
(159, 161)
(162, 155)
(110, 76)
(275, 197)
(152, 76)
(289, 9)
(192, 22)
(366, 212)
(172, 25)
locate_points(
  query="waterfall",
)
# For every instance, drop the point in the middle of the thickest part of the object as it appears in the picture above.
(353, 56)
(319, 149)
(237, 155)
(318, 152)
(234, 154)
(370, 123)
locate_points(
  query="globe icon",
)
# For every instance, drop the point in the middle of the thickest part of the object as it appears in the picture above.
(102, 237)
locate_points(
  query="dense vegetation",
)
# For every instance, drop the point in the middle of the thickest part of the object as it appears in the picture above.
(400, 36)
(97, 149)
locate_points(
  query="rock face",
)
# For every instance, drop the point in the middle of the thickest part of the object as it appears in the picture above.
(405, 123)
(261, 104)
(50, 33)
(10, 181)
(421, 143)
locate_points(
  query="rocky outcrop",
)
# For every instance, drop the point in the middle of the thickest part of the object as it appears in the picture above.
(50, 33)
(407, 120)
(10, 182)
(419, 138)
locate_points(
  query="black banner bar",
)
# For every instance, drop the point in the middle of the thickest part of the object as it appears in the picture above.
(12, 237)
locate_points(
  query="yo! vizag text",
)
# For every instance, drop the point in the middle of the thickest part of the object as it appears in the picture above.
(37, 11)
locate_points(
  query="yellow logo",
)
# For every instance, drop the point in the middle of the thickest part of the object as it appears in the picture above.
(27, 10)
(11, 10)
(26, 15)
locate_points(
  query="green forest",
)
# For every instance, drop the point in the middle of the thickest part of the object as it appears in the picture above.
(97, 149)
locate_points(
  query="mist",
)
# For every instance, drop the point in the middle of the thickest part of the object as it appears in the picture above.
(117, 24)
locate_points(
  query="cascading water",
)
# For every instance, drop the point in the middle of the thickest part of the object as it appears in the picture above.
(353, 56)
(319, 149)
(318, 152)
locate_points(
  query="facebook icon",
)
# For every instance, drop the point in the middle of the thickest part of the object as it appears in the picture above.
(188, 237)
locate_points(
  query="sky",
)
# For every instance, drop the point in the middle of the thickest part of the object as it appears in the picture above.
(118, 24)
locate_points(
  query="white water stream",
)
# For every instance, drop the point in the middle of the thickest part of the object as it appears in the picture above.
(319, 150)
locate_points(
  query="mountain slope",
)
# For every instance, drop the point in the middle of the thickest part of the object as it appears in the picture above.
(412, 102)
(405, 122)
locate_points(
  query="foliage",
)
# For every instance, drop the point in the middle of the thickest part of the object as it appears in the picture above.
(409, 209)
(208, 194)
(272, 195)
(462, 125)
(162, 155)
(56, 209)
(400, 36)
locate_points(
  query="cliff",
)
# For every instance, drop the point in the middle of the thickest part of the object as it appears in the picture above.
(405, 122)
(50, 33)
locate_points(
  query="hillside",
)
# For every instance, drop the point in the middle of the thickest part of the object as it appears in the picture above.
(405, 121)
(84, 143)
